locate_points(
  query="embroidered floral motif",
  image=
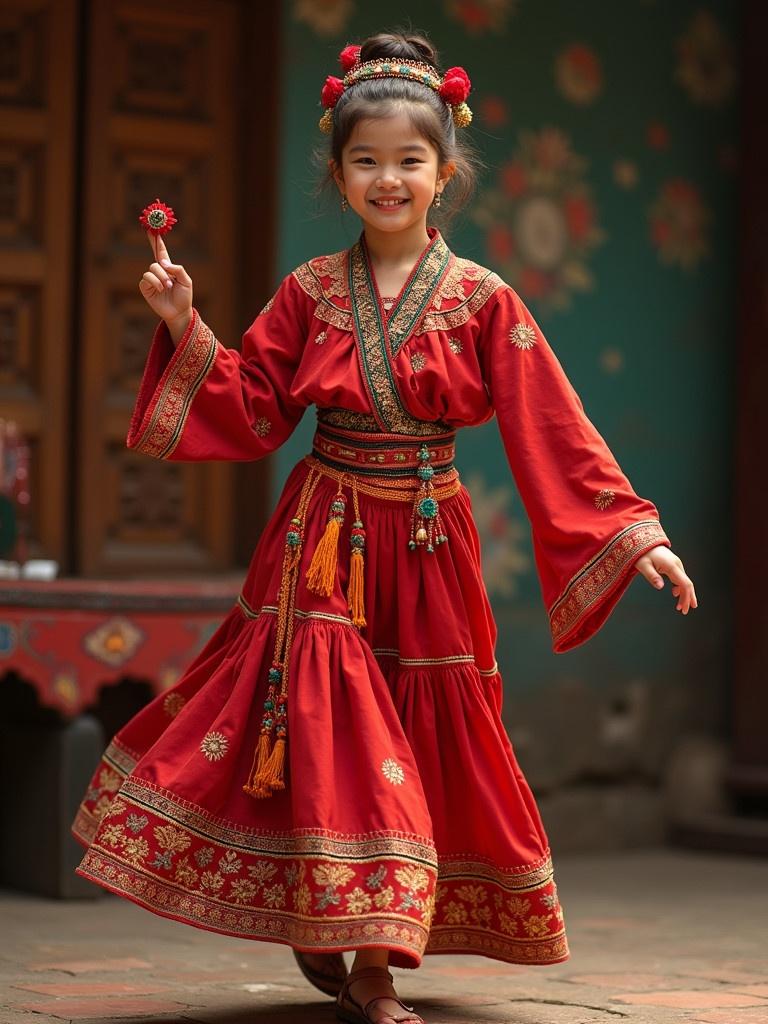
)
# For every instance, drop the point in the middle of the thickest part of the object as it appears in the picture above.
(452, 286)
(418, 361)
(455, 345)
(455, 316)
(604, 498)
(523, 335)
(173, 703)
(333, 269)
(321, 338)
(262, 426)
(393, 771)
(214, 745)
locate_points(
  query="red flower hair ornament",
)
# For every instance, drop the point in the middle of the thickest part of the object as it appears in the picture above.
(453, 87)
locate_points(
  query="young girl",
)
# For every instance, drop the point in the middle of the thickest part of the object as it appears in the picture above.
(332, 771)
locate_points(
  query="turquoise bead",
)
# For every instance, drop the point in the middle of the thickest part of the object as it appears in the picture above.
(428, 508)
(425, 472)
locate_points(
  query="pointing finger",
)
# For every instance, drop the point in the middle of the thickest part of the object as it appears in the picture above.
(158, 246)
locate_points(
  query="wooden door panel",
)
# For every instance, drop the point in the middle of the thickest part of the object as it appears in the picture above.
(159, 125)
(38, 50)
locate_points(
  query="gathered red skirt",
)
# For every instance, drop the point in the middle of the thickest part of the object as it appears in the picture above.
(405, 821)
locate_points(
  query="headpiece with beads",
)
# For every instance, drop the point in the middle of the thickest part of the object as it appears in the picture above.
(453, 87)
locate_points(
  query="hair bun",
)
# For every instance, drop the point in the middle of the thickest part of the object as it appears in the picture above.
(399, 45)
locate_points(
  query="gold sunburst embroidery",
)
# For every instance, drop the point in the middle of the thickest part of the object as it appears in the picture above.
(523, 335)
(214, 746)
(418, 361)
(262, 426)
(393, 771)
(455, 345)
(173, 703)
(604, 498)
(321, 338)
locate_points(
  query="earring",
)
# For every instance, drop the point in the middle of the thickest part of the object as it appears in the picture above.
(437, 200)
(344, 203)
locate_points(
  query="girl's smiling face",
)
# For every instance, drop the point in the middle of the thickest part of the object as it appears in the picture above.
(390, 173)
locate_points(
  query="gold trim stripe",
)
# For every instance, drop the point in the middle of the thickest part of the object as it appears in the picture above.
(451, 659)
(598, 576)
(189, 367)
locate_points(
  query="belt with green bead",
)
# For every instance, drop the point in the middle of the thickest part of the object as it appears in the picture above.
(426, 461)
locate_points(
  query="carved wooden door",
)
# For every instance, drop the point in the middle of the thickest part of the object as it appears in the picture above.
(159, 124)
(37, 149)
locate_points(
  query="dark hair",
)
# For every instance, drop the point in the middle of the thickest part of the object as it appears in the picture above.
(428, 113)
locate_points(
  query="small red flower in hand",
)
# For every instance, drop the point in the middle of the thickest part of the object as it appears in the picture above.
(157, 218)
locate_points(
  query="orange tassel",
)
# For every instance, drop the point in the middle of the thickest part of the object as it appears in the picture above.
(273, 770)
(255, 785)
(355, 591)
(321, 573)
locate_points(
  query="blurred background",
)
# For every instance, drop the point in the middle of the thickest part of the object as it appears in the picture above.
(622, 197)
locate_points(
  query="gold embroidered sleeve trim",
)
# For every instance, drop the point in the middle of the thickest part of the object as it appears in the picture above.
(189, 366)
(595, 580)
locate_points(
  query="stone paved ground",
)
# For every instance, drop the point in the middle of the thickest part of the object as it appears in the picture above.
(656, 936)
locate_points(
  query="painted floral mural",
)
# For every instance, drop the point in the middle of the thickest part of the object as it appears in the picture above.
(502, 537)
(706, 65)
(478, 16)
(540, 220)
(679, 224)
(578, 74)
(326, 17)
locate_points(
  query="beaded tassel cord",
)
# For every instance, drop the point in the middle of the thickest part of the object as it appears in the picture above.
(426, 524)
(267, 770)
(356, 588)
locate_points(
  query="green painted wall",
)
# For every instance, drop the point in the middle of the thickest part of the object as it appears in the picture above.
(610, 134)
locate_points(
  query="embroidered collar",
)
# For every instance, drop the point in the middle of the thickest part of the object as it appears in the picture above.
(379, 337)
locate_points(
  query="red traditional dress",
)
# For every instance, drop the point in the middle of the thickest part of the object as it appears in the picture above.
(332, 770)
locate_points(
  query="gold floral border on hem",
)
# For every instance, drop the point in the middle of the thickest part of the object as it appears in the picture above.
(205, 912)
(449, 939)
(190, 364)
(601, 574)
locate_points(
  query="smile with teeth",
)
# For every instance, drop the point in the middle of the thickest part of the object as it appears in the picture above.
(388, 202)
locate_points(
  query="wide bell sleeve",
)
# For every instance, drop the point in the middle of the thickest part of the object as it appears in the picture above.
(199, 400)
(588, 525)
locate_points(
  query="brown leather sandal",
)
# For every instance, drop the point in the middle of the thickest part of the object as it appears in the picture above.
(360, 1015)
(328, 983)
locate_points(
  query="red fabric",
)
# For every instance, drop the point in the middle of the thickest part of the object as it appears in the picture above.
(406, 820)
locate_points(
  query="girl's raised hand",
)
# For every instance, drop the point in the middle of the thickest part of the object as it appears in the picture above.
(167, 286)
(661, 560)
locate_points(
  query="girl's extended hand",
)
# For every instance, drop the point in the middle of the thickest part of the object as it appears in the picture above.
(167, 286)
(661, 560)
